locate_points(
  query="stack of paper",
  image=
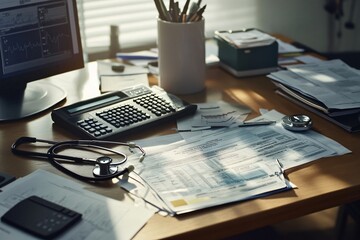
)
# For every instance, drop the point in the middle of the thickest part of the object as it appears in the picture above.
(112, 79)
(226, 165)
(330, 88)
(288, 48)
(140, 58)
(246, 39)
(213, 115)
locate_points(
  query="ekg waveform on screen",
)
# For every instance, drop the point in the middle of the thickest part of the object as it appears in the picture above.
(35, 33)
(55, 41)
(21, 47)
(32, 45)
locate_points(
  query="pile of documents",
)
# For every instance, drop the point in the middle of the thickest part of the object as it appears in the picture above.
(112, 79)
(246, 39)
(214, 115)
(328, 88)
(224, 165)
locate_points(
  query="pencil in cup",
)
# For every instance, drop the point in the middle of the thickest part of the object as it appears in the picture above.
(193, 13)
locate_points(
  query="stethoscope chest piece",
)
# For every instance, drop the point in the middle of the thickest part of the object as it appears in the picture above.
(104, 167)
(298, 123)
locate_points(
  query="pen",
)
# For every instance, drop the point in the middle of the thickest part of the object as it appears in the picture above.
(248, 124)
(162, 15)
(191, 13)
(281, 168)
(184, 11)
(198, 15)
(193, 9)
(171, 7)
(245, 124)
(165, 12)
(177, 11)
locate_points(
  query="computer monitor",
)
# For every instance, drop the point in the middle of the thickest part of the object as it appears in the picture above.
(38, 39)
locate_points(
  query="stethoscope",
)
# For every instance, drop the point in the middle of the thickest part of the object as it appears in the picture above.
(104, 167)
(297, 123)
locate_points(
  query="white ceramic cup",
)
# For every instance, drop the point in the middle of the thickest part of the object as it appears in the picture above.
(181, 56)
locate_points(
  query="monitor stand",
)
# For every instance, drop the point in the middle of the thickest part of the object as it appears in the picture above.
(35, 97)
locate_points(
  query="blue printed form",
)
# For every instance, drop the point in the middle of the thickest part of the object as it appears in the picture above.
(228, 165)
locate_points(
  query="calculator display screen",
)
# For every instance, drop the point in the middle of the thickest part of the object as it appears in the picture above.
(92, 104)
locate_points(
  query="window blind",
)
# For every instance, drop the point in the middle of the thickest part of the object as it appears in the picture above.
(137, 20)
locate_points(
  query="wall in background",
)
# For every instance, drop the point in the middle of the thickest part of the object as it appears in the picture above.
(307, 22)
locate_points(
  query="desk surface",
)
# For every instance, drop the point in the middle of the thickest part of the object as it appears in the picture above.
(322, 184)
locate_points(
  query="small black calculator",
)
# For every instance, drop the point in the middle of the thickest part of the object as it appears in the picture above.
(116, 114)
(41, 217)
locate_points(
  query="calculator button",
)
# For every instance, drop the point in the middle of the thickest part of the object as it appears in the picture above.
(81, 123)
(87, 127)
(71, 213)
(89, 120)
(144, 117)
(65, 211)
(134, 119)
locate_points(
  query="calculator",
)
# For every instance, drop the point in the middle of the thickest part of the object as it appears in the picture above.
(41, 217)
(113, 115)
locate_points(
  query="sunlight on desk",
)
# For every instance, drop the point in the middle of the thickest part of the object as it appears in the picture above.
(249, 98)
(322, 184)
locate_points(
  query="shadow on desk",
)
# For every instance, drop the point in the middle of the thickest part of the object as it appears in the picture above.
(345, 211)
(316, 226)
(351, 58)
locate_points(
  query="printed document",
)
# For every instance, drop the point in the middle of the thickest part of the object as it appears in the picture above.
(102, 217)
(246, 39)
(212, 115)
(333, 83)
(228, 165)
(287, 48)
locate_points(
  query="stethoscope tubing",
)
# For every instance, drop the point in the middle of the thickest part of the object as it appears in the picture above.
(55, 159)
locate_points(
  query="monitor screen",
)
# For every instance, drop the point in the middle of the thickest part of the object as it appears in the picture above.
(38, 39)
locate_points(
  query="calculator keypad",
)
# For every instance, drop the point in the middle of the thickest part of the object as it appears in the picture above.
(94, 127)
(125, 115)
(122, 116)
(155, 104)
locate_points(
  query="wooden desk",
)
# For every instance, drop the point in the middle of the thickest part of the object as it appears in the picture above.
(322, 184)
